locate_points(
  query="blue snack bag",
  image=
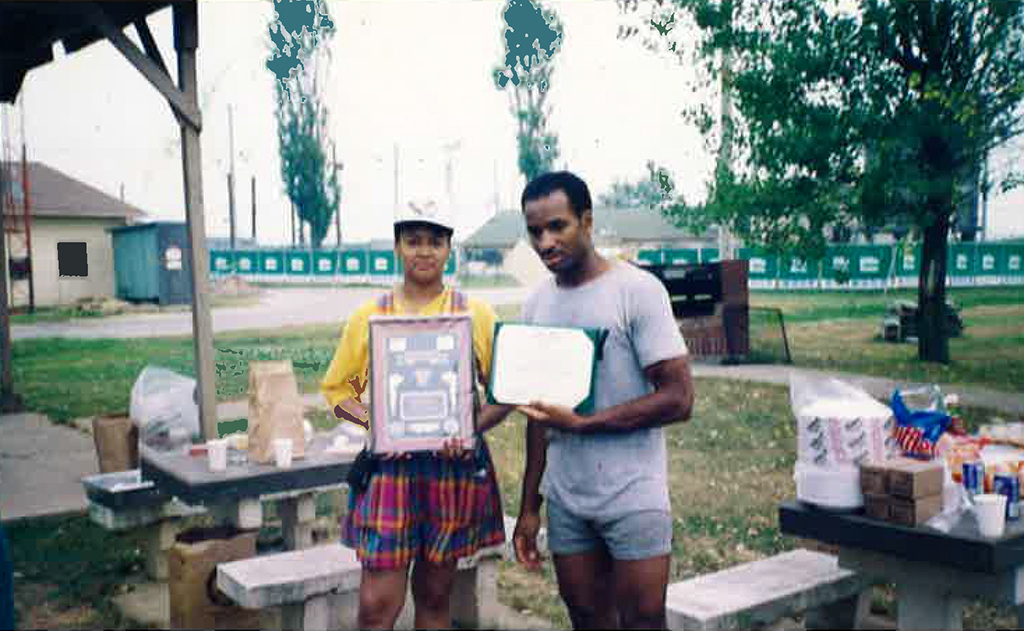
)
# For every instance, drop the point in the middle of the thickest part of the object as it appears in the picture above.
(917, 431)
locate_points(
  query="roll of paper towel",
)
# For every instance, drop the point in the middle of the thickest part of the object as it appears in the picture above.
(834, 432)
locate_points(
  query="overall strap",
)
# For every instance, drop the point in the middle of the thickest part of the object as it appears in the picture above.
(458, 302)
(386, 303)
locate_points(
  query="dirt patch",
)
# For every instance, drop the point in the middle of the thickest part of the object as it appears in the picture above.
(233, 286)
(37, 609)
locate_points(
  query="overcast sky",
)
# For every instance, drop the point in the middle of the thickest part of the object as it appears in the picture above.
(412, 72)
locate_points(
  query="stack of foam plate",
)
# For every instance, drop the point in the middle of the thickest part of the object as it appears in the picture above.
(835, 487)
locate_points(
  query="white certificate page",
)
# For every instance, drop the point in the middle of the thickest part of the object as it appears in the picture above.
(546, 364)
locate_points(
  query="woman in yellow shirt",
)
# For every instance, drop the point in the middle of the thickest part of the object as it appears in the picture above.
(423, 509)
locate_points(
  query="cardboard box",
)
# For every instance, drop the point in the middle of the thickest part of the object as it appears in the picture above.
(910, 479)
(914, 512)
(195, 602)
(874, 478)
(902, 477)
(876, 506)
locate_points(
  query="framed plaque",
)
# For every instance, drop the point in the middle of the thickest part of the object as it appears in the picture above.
(421, 379)
(554, 365)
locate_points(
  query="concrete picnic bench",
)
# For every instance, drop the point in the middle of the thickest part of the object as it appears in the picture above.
(763, 591)
(318, 587)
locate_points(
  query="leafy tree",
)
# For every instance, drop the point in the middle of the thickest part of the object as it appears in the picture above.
(530, 74)
(654, 192)
(310, 179)
(861, 116)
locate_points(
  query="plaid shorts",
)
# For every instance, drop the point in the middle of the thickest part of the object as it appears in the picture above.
(425, 506)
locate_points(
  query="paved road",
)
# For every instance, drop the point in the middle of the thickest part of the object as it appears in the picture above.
(277, 308)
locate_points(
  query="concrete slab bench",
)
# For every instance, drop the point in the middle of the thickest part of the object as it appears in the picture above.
(318, 587)
(763, 591)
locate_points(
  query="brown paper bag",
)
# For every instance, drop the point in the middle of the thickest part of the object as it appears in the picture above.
(117, 443)
(275, 410)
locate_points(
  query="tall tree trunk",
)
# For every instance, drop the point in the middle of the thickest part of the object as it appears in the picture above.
(932, 333)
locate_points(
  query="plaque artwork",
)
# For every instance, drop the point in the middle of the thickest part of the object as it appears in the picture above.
(421, 378)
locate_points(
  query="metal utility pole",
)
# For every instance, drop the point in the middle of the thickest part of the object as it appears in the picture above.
(497, 199)
(337, 211)
(291, 205)
(254, 209)
(396, 176)
(231, 177)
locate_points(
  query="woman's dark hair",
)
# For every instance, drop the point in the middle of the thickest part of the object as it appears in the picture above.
(547, 183)
(433, 227)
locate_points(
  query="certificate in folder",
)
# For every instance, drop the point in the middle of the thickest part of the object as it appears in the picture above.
(554, 365)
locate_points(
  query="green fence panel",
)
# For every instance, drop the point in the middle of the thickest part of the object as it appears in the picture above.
(837, 268)
(681, 256)
(299, 263)
(354, 263)
(1015, 264)
(221, 261)
(795, 273)
(762, 268)
(325, 263)
(871, 270)
(272, 264)
(991, 260)
(709, 255)
(247, 262)
(650, 257)
(908, 263)
(961, 264)
(382, 263)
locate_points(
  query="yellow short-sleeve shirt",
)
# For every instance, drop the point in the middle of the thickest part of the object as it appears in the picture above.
(348, 374)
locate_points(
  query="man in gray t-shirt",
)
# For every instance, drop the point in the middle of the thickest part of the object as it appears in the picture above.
(604, 476)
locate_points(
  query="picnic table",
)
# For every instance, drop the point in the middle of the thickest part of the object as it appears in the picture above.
(935, 573)
(237, 493)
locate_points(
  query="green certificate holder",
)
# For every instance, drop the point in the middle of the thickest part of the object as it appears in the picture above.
(550, 364)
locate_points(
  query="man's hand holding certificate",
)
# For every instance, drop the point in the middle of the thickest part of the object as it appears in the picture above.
(550, 370)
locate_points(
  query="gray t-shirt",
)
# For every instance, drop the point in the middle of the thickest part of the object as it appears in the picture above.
(611, 474)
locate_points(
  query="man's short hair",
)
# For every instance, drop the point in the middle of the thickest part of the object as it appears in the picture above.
(411, 225)
(570, 184)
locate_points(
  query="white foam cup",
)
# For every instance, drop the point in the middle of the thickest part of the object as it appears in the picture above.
(282, 452)
(990, 510)
(217, 451)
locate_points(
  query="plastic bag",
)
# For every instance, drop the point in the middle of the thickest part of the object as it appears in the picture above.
(918, 431)
(164, 406)
(838, 423)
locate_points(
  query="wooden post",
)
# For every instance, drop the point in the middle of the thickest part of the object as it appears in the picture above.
(9, 402)
(186, 40)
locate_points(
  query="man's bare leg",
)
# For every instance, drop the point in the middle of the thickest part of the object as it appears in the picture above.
(587, 587)
(640, 588)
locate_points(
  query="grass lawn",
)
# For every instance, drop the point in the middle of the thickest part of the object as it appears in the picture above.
(841, 331)
(729, 468)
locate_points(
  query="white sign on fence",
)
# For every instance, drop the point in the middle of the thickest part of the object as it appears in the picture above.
(870, 264)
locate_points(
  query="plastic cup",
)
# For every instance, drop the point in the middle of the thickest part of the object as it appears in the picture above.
(990, 509)
(282, 452)
(217, 451)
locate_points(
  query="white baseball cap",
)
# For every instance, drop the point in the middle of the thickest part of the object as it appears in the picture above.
(425, 211)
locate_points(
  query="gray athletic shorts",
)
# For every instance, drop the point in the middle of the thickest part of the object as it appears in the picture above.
(631, 537)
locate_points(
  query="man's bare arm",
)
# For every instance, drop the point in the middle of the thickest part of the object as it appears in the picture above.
(536, 461)
(671, 401)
